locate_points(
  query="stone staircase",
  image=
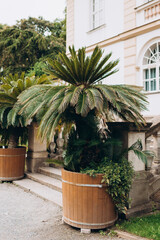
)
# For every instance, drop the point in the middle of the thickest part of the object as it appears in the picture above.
(45, 184)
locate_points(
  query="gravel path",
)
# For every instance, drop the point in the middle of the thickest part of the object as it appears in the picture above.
(24, 216)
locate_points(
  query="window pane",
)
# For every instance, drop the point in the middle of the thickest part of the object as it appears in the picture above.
(101, 18)
(96, 19)
(146, 87)
(96, 5)
(153, 85)
(97, 13)
(100, 4)
(93, 21)
(153, 72)
(93, 5)
(146, 74)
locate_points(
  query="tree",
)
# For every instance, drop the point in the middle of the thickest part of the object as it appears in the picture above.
(28, 42)
(86, 103)
(82, 101)
(44, 27)
(11, 124)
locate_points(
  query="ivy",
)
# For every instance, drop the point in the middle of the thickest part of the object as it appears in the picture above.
(118, 179)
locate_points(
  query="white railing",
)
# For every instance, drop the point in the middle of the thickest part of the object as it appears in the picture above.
(152, 11)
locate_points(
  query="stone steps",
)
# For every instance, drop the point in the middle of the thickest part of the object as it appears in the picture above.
(45, 180)
(40, 190)
(51, 172)
(45, 184)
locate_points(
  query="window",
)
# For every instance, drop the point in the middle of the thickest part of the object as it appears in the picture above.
(97, 13)
(151, 68)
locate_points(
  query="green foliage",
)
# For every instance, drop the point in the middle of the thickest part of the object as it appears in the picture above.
(118, 177)
(102, 233)
(147, 226)
(112, 233)
(11, 123)
(17, 134)
(38, 69)
(117, 170)
(29, 41)
(1, 26)
(82, 95)
(42, 26)
(60, 28)
(87, 151)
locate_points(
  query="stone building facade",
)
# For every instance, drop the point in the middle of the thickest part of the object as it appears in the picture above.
(130, 29)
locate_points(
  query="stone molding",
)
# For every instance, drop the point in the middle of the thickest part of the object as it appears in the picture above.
(126, 35)
(70, 24)
(129, 14)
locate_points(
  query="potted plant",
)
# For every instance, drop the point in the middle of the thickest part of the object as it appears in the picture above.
(12, 129)
(86, 105)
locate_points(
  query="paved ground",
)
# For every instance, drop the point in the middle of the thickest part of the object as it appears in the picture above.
(24, 216)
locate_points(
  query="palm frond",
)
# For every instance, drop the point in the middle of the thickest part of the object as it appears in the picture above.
(75, 96)
(82, 106)
(137, 148)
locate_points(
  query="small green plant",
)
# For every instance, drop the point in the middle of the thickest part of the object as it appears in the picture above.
(154, 208)
(112, 233)
(56, 162)
(102, 233)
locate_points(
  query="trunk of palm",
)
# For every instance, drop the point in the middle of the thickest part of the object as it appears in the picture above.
(13, 141)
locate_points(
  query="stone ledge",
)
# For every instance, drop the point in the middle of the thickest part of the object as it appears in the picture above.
(139, 210)
(39, 154)
(129, 236)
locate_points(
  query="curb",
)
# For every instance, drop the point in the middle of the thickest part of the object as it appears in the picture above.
(129, 236)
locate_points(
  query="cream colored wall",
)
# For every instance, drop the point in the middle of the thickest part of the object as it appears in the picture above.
(129, 44)
(130, 61)
(70, 24)
(129, 14)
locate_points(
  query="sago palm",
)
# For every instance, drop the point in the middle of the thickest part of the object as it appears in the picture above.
(82, 100)
(11, 124)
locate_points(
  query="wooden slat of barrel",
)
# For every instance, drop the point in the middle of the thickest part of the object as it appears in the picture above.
(90, 205)
(79, 200)
(75, 191)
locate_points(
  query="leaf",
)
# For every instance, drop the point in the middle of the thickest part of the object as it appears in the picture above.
(82, 106)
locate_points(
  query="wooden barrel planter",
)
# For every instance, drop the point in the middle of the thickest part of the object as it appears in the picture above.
(86, 204)
(12, 162)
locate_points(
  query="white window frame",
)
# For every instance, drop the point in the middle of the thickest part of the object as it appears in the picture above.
(153, 63)
(97, 13)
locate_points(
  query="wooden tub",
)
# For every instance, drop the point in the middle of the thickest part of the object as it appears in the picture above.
(86, 204)
(12, 162)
